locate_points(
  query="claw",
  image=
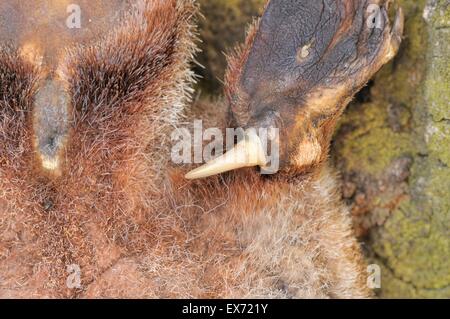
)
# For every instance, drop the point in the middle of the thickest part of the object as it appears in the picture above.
(396, 34)
(399, 23)
(388, 4)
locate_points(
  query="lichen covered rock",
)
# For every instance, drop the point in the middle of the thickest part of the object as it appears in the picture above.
(393, 146)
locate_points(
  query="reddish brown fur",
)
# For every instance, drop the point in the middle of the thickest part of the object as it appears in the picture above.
(104, 192)
(128, 218)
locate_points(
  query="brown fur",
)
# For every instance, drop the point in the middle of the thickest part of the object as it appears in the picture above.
(118, 135)
(242, 236)
(128, 218)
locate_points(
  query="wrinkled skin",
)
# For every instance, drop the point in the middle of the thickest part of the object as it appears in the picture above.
(306, 61)
(94, 187)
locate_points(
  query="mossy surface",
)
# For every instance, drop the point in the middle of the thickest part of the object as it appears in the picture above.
(408, 115)
(392, 146)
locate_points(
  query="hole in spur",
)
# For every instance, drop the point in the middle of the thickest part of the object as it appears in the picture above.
(304, 51)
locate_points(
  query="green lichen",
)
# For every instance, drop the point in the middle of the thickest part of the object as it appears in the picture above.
(439, 137)
(413, 245)
(372, 145)
(414, 249)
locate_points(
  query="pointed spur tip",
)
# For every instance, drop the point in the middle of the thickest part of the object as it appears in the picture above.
(396, 34)
(399, 23)
(247, 153)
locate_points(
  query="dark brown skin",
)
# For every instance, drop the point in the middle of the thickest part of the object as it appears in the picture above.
(116, 207)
